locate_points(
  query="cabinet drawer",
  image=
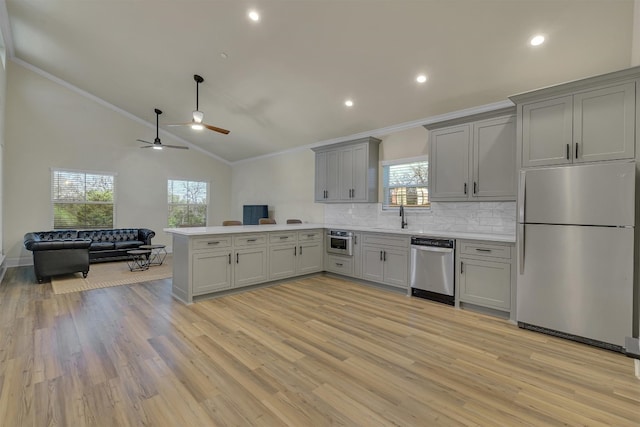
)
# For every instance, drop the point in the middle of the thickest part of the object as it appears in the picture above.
(340, 265)
(385, 240)
(211, 242)
(250, 240)
(309, 235)
(282, 237)
(485, 249)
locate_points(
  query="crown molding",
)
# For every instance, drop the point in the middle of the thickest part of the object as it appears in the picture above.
(112, 107)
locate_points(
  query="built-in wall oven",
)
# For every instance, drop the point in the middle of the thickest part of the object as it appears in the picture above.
(340, 242)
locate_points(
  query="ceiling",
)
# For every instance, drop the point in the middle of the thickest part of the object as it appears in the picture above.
(285, 78)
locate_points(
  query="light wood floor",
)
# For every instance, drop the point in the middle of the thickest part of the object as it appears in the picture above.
(314, 352)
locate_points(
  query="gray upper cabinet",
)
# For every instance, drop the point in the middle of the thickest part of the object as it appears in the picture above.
(473, 160)
(449, 163)
(347, 172)
(587, 120)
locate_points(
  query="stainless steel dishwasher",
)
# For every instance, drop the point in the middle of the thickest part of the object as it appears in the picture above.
(432, 269)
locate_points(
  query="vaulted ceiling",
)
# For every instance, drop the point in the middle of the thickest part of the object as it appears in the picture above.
(281, 82)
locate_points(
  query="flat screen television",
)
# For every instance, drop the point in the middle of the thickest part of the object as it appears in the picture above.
(252, 213)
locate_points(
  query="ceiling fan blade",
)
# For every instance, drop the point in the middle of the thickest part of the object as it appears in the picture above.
(146, 142)
(215, 129)
(176, 146)
(180, 124)
(146, 146)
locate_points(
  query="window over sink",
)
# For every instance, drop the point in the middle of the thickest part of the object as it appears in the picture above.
(405, 182)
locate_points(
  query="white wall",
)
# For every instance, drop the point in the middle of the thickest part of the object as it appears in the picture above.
(49, 126)
(285, 182)
(635, 37)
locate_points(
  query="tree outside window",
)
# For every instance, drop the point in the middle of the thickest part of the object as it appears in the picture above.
(406, 183)
(82, 199)
(187, 203)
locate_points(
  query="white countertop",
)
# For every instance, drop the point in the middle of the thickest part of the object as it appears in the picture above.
(202, 231)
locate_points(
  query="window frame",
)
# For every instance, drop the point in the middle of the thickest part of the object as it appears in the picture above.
(206, 204)
(385, 187)
(113, 175)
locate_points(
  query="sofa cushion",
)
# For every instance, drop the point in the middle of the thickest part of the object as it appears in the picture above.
(101, 246)
(128, 244)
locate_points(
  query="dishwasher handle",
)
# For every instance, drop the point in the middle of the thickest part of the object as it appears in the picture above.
(431, 249)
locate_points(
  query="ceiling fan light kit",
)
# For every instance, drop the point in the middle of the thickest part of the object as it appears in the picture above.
(197, 115)
(157, 144)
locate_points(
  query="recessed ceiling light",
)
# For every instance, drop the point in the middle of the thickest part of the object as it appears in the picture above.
(224, 55)
(254, 15)
(348, 103)
(421, 78)
(537, 40)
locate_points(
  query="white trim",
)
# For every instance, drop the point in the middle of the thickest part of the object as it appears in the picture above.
(112, 107)
(390, 129)
(422, 158)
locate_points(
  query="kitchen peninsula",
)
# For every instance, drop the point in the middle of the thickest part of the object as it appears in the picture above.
(209, 260)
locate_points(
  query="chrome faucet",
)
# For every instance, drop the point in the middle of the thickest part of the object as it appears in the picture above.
(403, 223)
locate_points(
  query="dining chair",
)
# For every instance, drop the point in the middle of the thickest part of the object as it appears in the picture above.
(294, 221)
(231, 222)
(262, 221)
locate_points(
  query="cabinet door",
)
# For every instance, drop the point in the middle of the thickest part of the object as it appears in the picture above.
(333, 189)
(494, 156)
(604, 123)
(372, 264)
(449, 163)
(282, 261)
(396, 267)
(340, 264)
(309, 257)
(345, 171)
(357, 255)
(485, 283)
(211, 272)
(250, 266)
(321, 177)
(547, 132)
(360, 162)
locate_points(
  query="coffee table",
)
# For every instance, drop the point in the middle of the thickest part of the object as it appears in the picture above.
(158, 253)
(138, 259)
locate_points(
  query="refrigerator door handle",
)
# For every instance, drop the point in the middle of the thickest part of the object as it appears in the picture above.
(522, 197)
(520, 239)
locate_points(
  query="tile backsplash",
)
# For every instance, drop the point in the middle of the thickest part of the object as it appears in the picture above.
(473, 217)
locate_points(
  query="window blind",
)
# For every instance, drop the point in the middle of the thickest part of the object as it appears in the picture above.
(82, 199)
(406, 184)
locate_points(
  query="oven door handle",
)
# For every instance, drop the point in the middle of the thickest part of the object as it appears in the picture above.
(432, 249)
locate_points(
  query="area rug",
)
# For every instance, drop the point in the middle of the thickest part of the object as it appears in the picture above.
(108, 274)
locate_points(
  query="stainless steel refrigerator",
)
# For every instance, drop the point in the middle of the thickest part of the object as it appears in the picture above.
(575, 251)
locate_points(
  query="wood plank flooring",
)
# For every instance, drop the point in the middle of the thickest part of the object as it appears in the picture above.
(312, 352)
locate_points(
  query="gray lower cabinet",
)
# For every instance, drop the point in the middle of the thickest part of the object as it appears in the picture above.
(293, 254)
(250, 266)
(385, 259)
(309, 257)
(485, 274)
(339, 264)
(211, 271)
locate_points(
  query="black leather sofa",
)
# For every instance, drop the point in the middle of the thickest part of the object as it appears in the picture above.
(70, 251)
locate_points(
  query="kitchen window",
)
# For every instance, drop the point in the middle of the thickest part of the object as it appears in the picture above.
(405, 182)
(82, 199)
(188, 202)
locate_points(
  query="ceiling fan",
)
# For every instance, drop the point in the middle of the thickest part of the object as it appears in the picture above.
(196, 121)
(157, 144)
